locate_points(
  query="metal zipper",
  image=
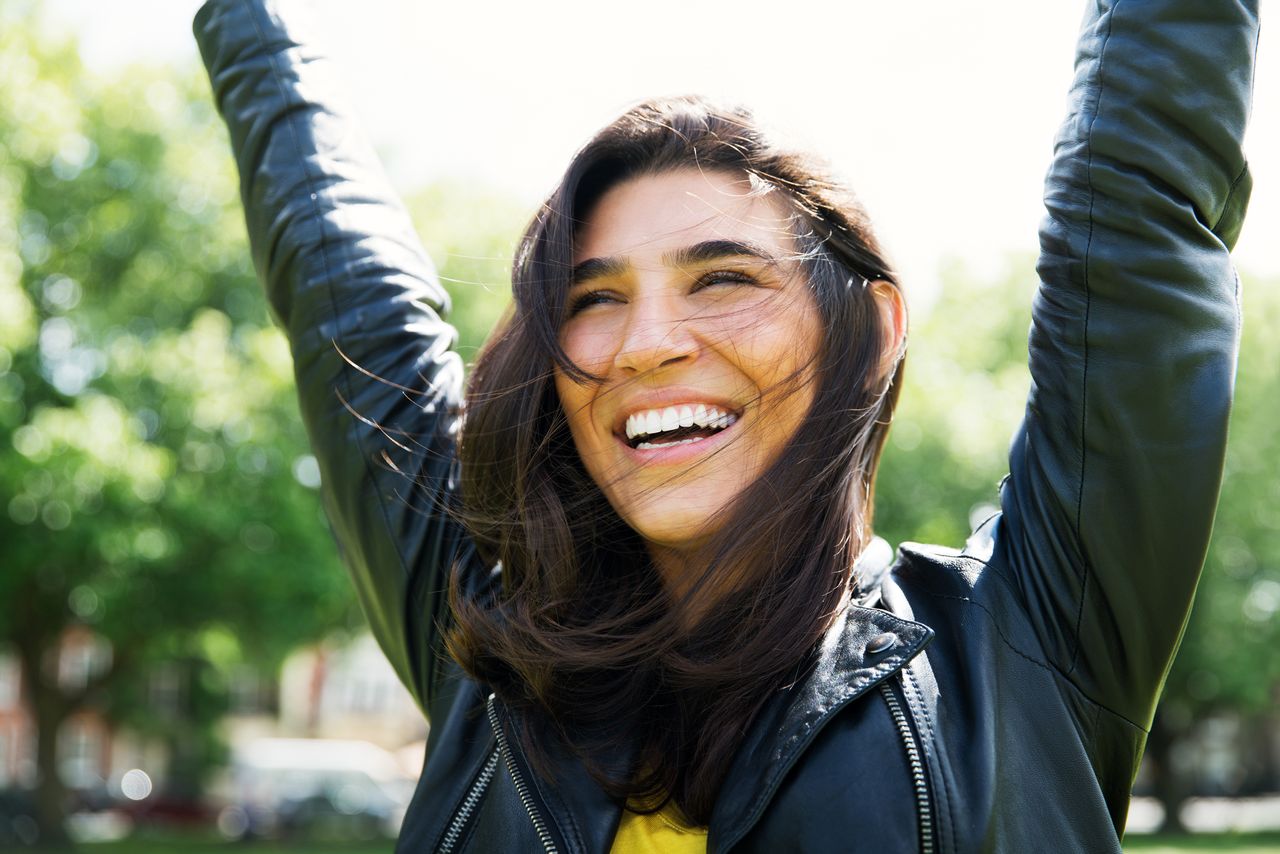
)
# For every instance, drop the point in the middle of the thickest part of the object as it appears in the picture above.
(522, 788)
(923, 810)
(460, 818)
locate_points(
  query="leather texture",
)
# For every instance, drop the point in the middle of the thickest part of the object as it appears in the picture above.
(1028, 663)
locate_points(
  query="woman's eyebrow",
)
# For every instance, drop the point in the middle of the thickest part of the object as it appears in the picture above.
(714, 250)
(598, 268)
(685, 256)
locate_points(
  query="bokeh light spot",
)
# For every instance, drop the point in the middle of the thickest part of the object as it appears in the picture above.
(31, 442)
(307, 471)
(56, 515)
(61, 293)
(83, 601)
(151, 543)
(135, 784)
(1263, 601)
(258, 537)
(23, 509)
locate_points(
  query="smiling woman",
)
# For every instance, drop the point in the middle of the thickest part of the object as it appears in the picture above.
(632, 581)
(696, 335)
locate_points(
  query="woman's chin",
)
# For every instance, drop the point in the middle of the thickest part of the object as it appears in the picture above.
(675, 528)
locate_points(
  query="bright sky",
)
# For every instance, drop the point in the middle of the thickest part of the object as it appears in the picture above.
(942, 114)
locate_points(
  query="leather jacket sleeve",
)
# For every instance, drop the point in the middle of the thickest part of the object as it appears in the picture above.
(360, 302)
(1114, 473)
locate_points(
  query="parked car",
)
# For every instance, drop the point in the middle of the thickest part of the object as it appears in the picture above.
(17, 819)
(313, 789)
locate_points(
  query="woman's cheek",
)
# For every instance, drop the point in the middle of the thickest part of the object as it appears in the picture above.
(589, 345)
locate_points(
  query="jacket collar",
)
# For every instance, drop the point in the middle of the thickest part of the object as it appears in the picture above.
(787, 724)
(870, 571)
(848, 664)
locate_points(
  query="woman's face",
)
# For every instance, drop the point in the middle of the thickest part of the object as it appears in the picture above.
(688, 300)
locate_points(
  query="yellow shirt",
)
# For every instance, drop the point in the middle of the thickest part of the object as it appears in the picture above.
(662, 832)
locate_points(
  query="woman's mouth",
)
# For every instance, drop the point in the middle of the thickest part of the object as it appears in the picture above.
(652, 429)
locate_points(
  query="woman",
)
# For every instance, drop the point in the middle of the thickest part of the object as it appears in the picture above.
(667, 622)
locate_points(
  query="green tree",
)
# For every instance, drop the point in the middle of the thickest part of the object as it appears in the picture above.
(965, 388)
(471, 233)
(966, 384)
(155, 477)
(155, 480)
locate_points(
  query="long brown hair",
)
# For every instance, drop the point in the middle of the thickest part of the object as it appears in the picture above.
(582, 635)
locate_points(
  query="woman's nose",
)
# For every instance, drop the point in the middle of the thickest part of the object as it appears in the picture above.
(658, 332)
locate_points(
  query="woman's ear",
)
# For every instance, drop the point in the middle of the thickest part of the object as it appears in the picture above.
(893, 324)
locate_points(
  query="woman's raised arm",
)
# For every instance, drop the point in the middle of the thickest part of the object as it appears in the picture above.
(1116, 468)
(360, 302)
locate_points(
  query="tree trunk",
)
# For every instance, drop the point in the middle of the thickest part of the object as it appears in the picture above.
(1167, 781)
(50, 710)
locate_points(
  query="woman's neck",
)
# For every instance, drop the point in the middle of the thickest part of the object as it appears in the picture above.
(680, 571)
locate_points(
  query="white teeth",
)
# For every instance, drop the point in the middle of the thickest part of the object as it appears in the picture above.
(648, 446)
(654, 421)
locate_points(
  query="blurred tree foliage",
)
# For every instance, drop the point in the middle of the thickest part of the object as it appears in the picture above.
(155, 483)
(966, 384)
(471, 234)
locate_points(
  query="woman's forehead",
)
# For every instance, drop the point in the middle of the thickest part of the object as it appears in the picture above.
(645, 219)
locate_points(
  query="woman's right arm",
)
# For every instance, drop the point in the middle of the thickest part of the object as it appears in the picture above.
(359, 300)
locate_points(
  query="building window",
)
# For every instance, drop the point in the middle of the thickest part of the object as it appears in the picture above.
(248, 694)
(80, 763)
(83, 657)
(166, 689)
(6, 759)
(10, 679)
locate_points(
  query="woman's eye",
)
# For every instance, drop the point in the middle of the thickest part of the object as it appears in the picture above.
(722, 277)
(588, 299)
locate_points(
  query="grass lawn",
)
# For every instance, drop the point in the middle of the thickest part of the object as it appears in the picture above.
(159, 842)
(1248, 843)
(1243, 843)
(184, 846)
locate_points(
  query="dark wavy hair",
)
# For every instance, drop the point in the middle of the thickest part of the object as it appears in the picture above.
(582, 637)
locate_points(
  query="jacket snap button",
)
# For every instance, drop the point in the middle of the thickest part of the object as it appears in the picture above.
(880, 643)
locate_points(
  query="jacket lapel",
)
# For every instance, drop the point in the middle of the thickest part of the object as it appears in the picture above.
(863, 648)
(583, 816)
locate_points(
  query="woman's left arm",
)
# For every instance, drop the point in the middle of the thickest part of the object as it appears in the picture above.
(1114, 475)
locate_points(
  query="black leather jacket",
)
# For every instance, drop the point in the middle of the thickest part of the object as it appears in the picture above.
(990, 699)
